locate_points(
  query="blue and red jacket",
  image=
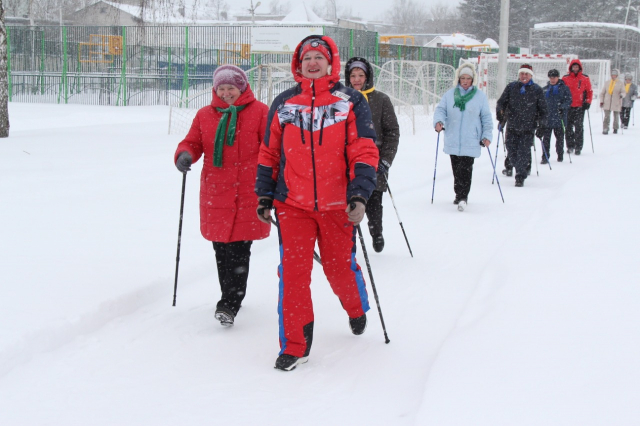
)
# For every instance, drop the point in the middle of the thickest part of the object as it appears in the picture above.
(319, 148)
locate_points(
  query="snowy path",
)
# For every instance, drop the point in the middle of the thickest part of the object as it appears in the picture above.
(518, 313)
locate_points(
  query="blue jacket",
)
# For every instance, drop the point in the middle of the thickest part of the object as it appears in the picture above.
(557, 104)
(464, 129)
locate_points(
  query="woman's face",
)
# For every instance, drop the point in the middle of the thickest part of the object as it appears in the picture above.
(314, 65)
(228, 93)
(466, 81)
(357, 78)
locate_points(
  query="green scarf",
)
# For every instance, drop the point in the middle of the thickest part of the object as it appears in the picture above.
(459, 100)
(231, 131)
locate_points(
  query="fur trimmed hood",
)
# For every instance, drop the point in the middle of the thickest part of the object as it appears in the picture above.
(459, 70)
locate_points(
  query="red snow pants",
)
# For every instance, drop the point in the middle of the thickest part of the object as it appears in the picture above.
(336, 236)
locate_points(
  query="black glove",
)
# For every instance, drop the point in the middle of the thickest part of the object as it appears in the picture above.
(184, 162)
(540, 132)
(383, 167)
(586, 105)
(265, 204)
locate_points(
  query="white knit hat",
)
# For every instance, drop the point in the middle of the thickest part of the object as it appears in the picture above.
(526, 68)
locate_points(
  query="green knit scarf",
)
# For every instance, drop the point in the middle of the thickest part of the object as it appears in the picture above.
(231, 131)
(459, 100)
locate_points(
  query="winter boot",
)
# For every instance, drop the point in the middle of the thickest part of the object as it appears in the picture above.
(225, 316)
(569, 150)
(544, 160)
(286, 362)
(519, 182)
(560, 158)
(577, 152)
(507, 172)
(462, 205)
(378, 243)
(615, 131)
(605, 132)
(358, 325)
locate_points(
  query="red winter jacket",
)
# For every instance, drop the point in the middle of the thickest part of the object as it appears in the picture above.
(319, 149)
(227, 201)
(580, 86)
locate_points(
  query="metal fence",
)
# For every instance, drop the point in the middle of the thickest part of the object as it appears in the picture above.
(159, 65)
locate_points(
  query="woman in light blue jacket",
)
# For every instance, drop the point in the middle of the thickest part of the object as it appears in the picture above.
(464, 113)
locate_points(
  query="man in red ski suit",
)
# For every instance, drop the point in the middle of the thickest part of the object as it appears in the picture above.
(581, 95)
(318, 161)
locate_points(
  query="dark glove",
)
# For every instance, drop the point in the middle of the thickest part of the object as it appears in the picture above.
(500, 126)
(184, 162)
(383, 167)
(356, 209)
(540, 132)
(265, 204)
(586, 105)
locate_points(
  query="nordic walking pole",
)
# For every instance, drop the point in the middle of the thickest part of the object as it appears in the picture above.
(544, 151)
(535, 155)
(496, 162)
(175, 285)
(373, 285)
(435, 167)
(494, 170)
(397, 214)
(590, 132)
(316, 257)
(565, 138)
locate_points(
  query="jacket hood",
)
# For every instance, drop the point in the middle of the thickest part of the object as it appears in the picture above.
(369, 71)
(460, 68)
(615, 71)
(245, 97)
(575, 61)
(331, 78)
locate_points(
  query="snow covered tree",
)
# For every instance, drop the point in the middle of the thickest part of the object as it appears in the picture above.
(4, 80)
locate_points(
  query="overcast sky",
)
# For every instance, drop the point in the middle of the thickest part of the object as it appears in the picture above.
(367, 9)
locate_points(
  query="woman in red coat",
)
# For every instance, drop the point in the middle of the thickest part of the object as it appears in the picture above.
(228, 132)
(317, 168)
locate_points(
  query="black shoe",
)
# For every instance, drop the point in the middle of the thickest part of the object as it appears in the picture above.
(560, 158)
(287, 362)
(378, 243)
(615, 131)
(225, 316)
(544, 161)
(577, 152)
(358, 325)
(519, 182)
(507, 172)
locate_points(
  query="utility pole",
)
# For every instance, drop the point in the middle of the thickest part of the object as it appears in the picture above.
(504, 46)
(252, 10)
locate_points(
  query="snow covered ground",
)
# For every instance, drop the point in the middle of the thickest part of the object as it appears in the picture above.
(522, 313)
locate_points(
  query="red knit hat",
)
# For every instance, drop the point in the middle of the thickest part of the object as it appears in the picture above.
(318, 44)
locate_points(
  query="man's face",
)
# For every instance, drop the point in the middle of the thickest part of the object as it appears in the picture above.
(614, 76)
(575, 68)
(554, 80)
(524, 77)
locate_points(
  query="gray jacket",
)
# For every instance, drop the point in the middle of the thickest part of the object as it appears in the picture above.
(631, 95)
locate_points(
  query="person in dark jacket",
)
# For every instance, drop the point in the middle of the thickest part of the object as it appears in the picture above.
(359, 75)
(317, 169)
(558, 98)
(581, 96)
(228, 132)
(523, 108)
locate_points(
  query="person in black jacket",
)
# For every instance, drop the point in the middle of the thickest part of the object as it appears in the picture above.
(558, 97)
(523, 108)
(359, 75)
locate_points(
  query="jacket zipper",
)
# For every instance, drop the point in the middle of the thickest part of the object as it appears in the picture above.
(313, 160)
(301, 127)
(324, 115)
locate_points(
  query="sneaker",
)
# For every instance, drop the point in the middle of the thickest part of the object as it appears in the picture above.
(358, 325)
(544, 161)
(507, 172)
(615, 131)
(286, 362)
(225, 316)
(462, 205)
(378, 243)
(577, 152)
